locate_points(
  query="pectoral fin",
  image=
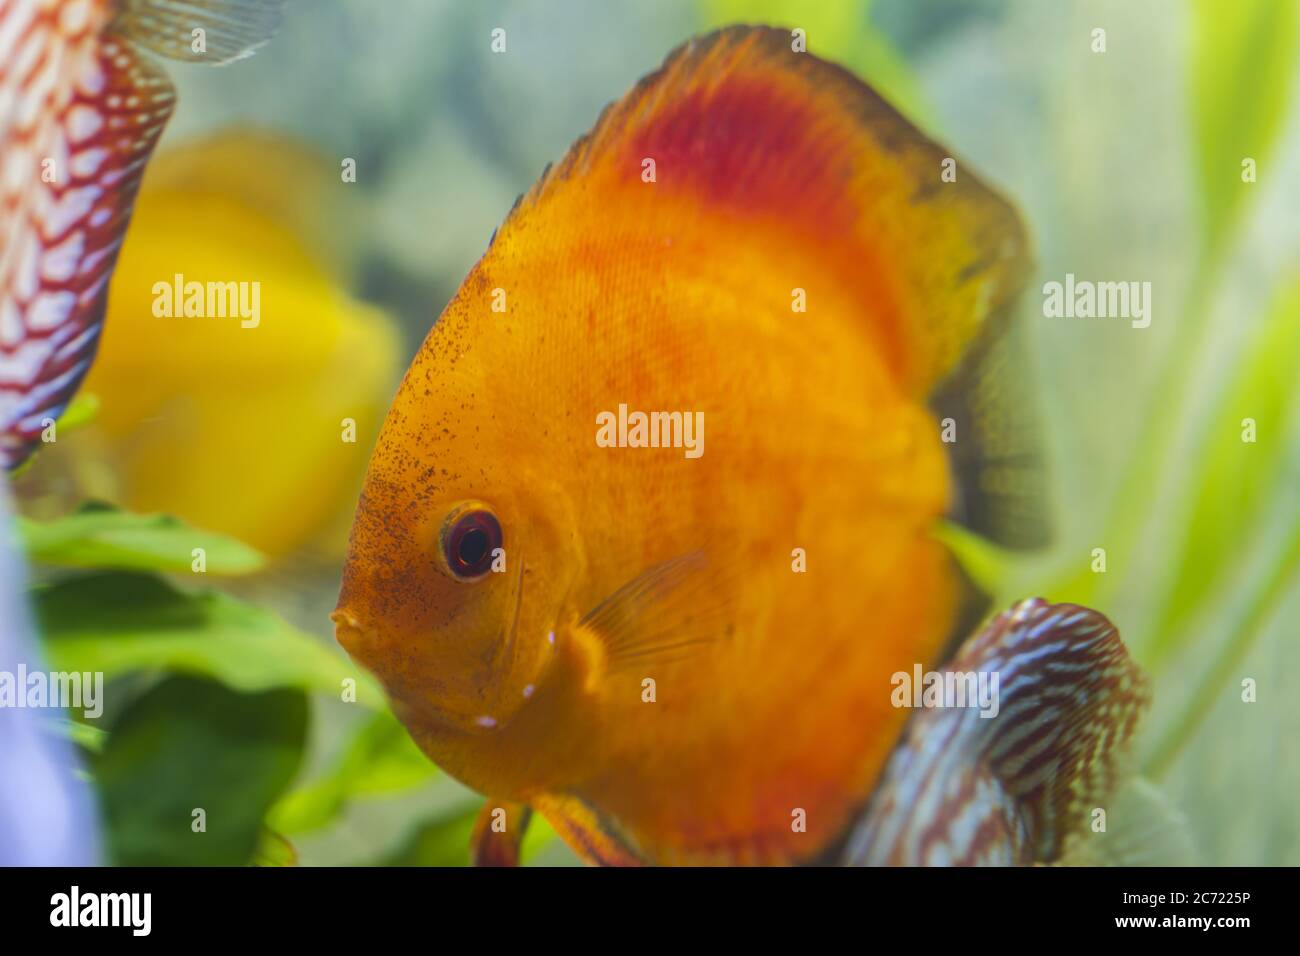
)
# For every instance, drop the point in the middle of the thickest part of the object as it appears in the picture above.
(1017, 786)
(667, 612)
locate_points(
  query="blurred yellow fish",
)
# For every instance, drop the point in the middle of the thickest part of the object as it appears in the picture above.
(649, 529)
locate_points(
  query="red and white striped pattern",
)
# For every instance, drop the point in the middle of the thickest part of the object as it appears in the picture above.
(80, 106)
(961, 789)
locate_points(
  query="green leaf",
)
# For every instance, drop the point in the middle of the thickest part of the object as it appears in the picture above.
(86, 736)
(1267, 593)
(80, 411)
(1241, 61)
(189, 745)
(1241, 64)
(100, 536)
(539, 837)
(443, 841)
(833, 22)
(274, 850)
(380, 759)
(1238, 480)
(984, 562)
(118, 622)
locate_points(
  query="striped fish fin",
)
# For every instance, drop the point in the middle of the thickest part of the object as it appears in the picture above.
(83, 109)
(1015, 787)
(231, 29)
(63, 218)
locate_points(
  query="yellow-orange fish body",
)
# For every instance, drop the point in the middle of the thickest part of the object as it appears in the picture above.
(683, 655)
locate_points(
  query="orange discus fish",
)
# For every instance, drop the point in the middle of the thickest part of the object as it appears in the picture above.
(81, 109)
(649, 529)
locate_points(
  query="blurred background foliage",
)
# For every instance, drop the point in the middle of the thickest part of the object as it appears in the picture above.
(227, 692)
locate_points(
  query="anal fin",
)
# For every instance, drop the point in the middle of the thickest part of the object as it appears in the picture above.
(593, 836)
(498, 833)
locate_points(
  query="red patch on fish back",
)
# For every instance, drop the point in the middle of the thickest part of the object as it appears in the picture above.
(763, 145)
(754, 147)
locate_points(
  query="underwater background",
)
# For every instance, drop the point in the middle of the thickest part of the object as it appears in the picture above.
(1125, 164)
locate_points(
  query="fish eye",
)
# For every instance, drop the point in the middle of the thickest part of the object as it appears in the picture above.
(470, 534)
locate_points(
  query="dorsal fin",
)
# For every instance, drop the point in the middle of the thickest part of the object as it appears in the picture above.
(1014, 787)
(802, 150)
(997, 460)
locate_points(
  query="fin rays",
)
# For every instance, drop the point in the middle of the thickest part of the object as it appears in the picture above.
(664, 613)
(233, 29)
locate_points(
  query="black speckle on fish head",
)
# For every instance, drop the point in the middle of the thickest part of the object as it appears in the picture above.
(456, 573)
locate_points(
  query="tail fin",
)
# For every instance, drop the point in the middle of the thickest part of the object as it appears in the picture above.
(1013, 787)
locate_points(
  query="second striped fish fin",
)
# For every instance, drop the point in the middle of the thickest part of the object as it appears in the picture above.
(1014, 782)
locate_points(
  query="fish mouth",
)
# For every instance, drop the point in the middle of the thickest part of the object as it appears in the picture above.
(355, 639)
(358, 640)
